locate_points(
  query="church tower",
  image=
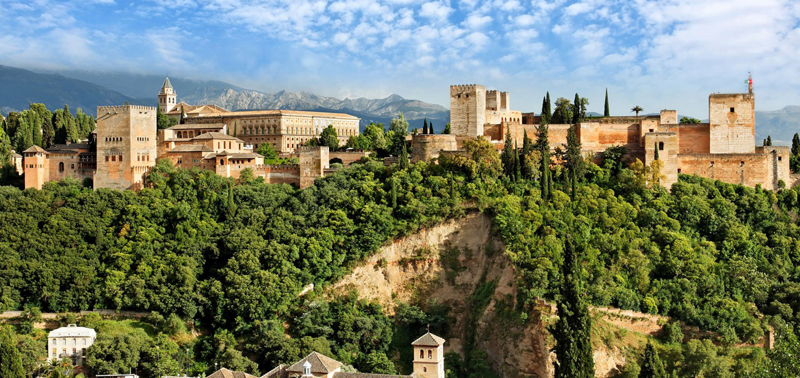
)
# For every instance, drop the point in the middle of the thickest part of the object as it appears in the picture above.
(167, 99)
(429, 356)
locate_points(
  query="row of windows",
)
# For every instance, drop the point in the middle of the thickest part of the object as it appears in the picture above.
(73, 342)
(422, 354)
(34, 165)
(113, 139)
(228, 145)
(61, 169)
(64, 352)
(142, 139)
(114, 157)
(141, 157)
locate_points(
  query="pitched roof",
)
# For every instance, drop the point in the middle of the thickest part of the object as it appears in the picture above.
(191, 148)
(216, 135)
(277, 372)
(319, 364)
(368, 375)
(428, 339)
(242, 113)
(225, 373)
(247, 155)
(73, 330)
(166, 84)
(35, 148)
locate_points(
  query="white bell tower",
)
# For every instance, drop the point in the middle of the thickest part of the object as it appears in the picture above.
(429, 356)
(167, 99)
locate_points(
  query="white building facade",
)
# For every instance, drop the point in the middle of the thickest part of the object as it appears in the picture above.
(70, 342)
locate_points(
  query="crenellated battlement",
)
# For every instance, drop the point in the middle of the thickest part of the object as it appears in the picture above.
(122, 108)
(464, 88)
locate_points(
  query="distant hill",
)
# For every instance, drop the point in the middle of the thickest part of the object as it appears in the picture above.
(19, 88)
(232, 97)
(780, 124)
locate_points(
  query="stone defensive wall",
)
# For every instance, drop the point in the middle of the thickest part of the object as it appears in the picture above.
(429, 146)
(599, 137)
(348, 157)
(278, 174)
(102, 110)
(692, 138)
(765, 167)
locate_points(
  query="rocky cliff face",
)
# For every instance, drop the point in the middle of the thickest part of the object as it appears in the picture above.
(448, 262)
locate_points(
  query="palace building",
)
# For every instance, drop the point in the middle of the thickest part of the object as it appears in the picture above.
(722, 149)
(127, 143)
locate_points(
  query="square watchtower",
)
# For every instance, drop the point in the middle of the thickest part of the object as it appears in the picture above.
(467, 110)
(126, 145)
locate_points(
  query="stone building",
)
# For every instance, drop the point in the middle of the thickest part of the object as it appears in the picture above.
(722, 149)
(127, 143)
(285, 130)
(428, 363)
(70, 342)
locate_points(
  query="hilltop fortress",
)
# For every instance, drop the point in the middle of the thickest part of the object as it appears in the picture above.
(126, 144)
(722, 149)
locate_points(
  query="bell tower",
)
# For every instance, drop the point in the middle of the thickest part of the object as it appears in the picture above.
(429, 356)
(167, 99)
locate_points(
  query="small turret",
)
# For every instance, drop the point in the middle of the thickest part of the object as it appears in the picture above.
(429, 356)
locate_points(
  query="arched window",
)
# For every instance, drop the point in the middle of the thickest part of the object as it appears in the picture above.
(221, 162)
(421, 354)
(430, 354)
(61, 167)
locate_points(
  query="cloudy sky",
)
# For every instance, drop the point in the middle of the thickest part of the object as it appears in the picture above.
(656, 54)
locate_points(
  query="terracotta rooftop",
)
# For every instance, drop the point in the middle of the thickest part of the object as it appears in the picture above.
(194, 126)
(35, 148)
(368, 375)
(279, 112)
(319, 364)
(225, 373)
(191, 148)
(428, 339)
(216, 135)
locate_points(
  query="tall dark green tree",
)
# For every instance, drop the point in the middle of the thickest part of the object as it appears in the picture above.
(398, 130)
(796, 144)
(573, 327)
(507, 157)
(563, 111)
(10, 359)
(574, 159)
(517, 165)
(425, 126)
(651, 365)
(606, 111)
(543, 145)
(48, 132)
(576, 110)
(446, 128)
(404, 163)
(769, 140)
(655, 150)
(183, 116)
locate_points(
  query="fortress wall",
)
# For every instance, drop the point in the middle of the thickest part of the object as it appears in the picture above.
(599, 137)
(732, 123)
(348, 157)
(429, 146)
(493, 132)
(467, 109)
(71, 167)
(667, 145)
(745, 169)
(692, 138)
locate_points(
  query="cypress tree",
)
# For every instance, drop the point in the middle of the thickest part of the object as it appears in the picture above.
(517, 166)
(606, 111)
(527, 147)
(573, 328)
(506, 157)
(769, 140)
(548, 108)
(574, 158)
(235, 128)
(796, 144)
(576, 110)
(404, 157)
(430, 128)
(652, 366)
(446, 128)
(543, 145)
(183, 115)
(655, 148)
(10, 359)
(394, 193)
(425, 126)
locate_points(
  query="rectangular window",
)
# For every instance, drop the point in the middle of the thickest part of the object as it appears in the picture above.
(732, 110)
(106, 158)
(114, 158)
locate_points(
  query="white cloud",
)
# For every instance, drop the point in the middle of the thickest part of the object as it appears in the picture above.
(435, 10)
(477, 21)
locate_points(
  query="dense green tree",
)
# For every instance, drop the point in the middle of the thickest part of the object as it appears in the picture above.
(781, 361)
(573, 327)
(606, 111)
(10, 360)
(574, 159)
(267, 151)
(796, 144)
(651, 367)
(507, 157)
(563, 112)
(446, 128)
(543, 146)
(396, 136)
(404, 157)
(375, 136)
(689, 120)
(425, 126)
(162, 120)
(358, 142)
(328, 137)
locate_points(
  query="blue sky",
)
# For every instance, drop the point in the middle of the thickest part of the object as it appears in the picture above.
(657, 54)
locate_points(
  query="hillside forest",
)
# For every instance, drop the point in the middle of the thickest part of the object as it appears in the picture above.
(218, 263)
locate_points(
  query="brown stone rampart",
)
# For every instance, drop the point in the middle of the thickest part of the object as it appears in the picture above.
(429, 146)
(348, 157)
(313, 162)
(467, 109)
(597, 137)
(732, 123)
(666, 143)
(766, 167)
(692, 138)
(63, 165)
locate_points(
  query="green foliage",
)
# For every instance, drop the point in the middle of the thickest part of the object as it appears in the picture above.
(651, 364)
(375, 137)
(636, 109)
(606, 111)
(689, 120)
(328, 137)
(396, 136)
(267, 151)
(782, 360)
(10, 360)
(446, 128)
(573, 328)
(563, 112)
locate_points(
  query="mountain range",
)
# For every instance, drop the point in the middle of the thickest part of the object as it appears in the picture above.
(89, 89)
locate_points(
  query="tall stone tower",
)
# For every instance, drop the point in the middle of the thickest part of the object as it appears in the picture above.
(36, 167)
(167, 98)
(126, 145)
(467, 110)
(731, 119)
(429, 355)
